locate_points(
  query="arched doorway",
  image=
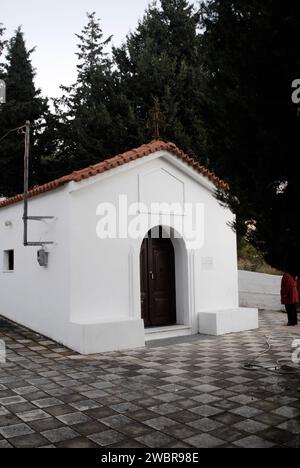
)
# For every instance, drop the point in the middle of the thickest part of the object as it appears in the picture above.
(158, 290)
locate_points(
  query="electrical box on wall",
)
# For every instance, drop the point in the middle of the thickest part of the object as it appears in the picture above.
(43, 258)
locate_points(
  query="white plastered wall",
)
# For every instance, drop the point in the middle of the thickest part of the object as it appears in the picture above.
(89, 296)
(105, 274)
(37, 297)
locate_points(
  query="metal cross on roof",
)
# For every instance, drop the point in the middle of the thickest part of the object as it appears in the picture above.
(155, 120)
(2, 92)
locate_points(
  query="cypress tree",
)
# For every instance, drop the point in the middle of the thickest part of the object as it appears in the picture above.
(23, 103)
(251, 56)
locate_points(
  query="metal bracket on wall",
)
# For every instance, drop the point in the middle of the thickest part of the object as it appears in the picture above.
(26, 218)
(35, 244)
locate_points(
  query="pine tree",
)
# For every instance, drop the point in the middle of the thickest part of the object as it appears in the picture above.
(23, 103)
(161, 62)
(251, 56)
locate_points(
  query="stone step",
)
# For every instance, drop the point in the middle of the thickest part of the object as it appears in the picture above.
(162, 333)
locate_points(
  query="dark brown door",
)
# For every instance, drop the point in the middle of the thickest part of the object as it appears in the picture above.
(158, 282)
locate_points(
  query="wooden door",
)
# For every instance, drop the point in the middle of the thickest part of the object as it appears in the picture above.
(158, 294)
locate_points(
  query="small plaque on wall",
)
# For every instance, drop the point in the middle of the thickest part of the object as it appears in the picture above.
(207, 263)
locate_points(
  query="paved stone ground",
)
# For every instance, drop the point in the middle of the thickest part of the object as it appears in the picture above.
(186, 393)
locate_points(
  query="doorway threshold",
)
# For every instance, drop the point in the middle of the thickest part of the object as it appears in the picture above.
(162, 333)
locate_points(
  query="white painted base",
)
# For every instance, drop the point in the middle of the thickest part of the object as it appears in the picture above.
(163, 333)
(222, 322)
(93, 338)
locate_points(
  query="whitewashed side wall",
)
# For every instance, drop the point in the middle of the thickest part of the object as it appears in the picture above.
(36, 297)
(259, 290)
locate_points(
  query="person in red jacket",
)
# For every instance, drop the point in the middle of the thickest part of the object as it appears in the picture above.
(290, 297)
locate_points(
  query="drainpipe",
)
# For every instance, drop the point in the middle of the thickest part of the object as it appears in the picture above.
(26, 218)
(26, 176)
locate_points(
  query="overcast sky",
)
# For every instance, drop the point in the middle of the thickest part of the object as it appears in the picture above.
(51, 24)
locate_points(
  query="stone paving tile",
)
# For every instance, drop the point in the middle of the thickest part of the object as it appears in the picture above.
(187, 392)
(293, 443)
(269, 419)
(292, 426)
(3, 411)
(59, 435)
(165, 409)
(33, 415)
(11, 400)
(115, 421)
(60, 410)
(206, 410)
(287, 412)
(245, 400)
(246, 411)
(21, 408)
(204, 441)
(179, 431)
(225, 405)
(47, 402)
(129, 443)
(228, 434)
(276, 435)
(253, 427)
(253, 442)
(155, 440)
(143, 415)
(85, 405)
(78, 442)
(134, 429)
(169, 397)
(25, 390)
(160, 423)
(126, 407)
(29, 441)
(186, 404)
(5, 444)
(205, 425)
(71, 419)
(92, 427)
(106, 438)
(184, 416)
(205, 399)
(45, 424)
(15, 430)
(100, 413)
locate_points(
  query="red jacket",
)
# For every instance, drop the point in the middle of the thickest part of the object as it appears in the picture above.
(289, 290)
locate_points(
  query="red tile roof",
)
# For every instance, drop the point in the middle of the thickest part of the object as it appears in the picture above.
(120, 160)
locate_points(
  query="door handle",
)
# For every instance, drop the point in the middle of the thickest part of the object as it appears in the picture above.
(151, 275)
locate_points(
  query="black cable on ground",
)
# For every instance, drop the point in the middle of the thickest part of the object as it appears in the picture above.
(278, 367)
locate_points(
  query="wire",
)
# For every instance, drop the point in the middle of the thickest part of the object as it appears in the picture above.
(11, 131)
(279, 367)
